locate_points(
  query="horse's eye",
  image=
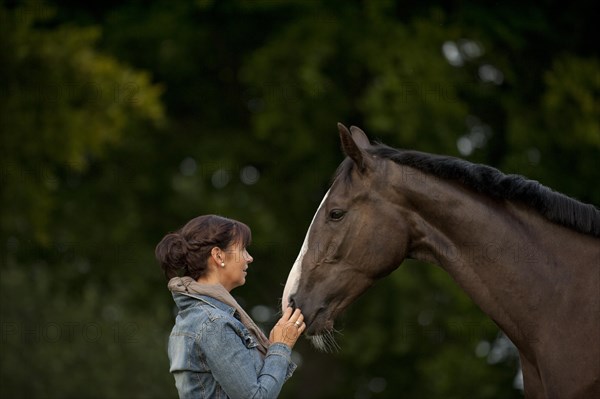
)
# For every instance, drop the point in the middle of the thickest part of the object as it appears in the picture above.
(336, 214)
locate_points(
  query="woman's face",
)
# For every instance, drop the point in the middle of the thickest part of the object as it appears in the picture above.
(236, 261)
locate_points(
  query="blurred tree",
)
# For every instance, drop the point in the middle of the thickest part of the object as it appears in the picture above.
(67, 215)
(57, 87)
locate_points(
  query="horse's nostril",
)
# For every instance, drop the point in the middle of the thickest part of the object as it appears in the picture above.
(292, 303)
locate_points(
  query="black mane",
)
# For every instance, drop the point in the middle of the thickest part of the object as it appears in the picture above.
(554, 206)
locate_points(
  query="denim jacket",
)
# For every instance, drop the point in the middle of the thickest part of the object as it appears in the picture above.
(213, 355)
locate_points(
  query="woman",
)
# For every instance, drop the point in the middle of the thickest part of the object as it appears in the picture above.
(215, 349)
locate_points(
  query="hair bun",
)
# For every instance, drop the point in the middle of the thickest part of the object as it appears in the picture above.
(171, 252)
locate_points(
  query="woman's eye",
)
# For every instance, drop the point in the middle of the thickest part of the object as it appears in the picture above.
(336, 214)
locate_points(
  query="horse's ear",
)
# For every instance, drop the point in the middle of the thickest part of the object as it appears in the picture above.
(359, 137)
(353, 145)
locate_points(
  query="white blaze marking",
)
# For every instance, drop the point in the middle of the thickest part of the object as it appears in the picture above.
(291, 286)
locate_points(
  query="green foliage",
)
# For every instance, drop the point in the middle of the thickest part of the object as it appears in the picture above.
(120, 122)
(82, 345)
(65, 108)
(561, 142)
(63, 104)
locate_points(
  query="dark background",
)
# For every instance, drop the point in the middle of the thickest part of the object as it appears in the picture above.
(121, 120)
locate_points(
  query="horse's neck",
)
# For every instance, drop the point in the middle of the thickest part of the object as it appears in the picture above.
(489, 248)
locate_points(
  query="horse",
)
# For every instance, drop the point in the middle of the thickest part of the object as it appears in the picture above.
(528, 256)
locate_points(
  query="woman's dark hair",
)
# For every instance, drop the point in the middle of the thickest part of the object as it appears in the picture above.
(185, 252)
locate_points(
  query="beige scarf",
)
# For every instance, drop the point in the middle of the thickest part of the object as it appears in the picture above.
(217, 291)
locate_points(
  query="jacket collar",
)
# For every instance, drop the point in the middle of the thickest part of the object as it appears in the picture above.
(186, 300)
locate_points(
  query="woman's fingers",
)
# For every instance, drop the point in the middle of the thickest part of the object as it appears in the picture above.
(288, 313)
(298, 319)
(302, 328)
(289, 327)
(297, 313)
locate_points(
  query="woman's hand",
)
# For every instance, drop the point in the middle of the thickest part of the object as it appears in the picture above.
(288, 328)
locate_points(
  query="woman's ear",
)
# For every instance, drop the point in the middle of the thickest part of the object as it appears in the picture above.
(216, 255)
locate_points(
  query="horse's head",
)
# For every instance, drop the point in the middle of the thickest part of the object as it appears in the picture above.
(354, 239)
